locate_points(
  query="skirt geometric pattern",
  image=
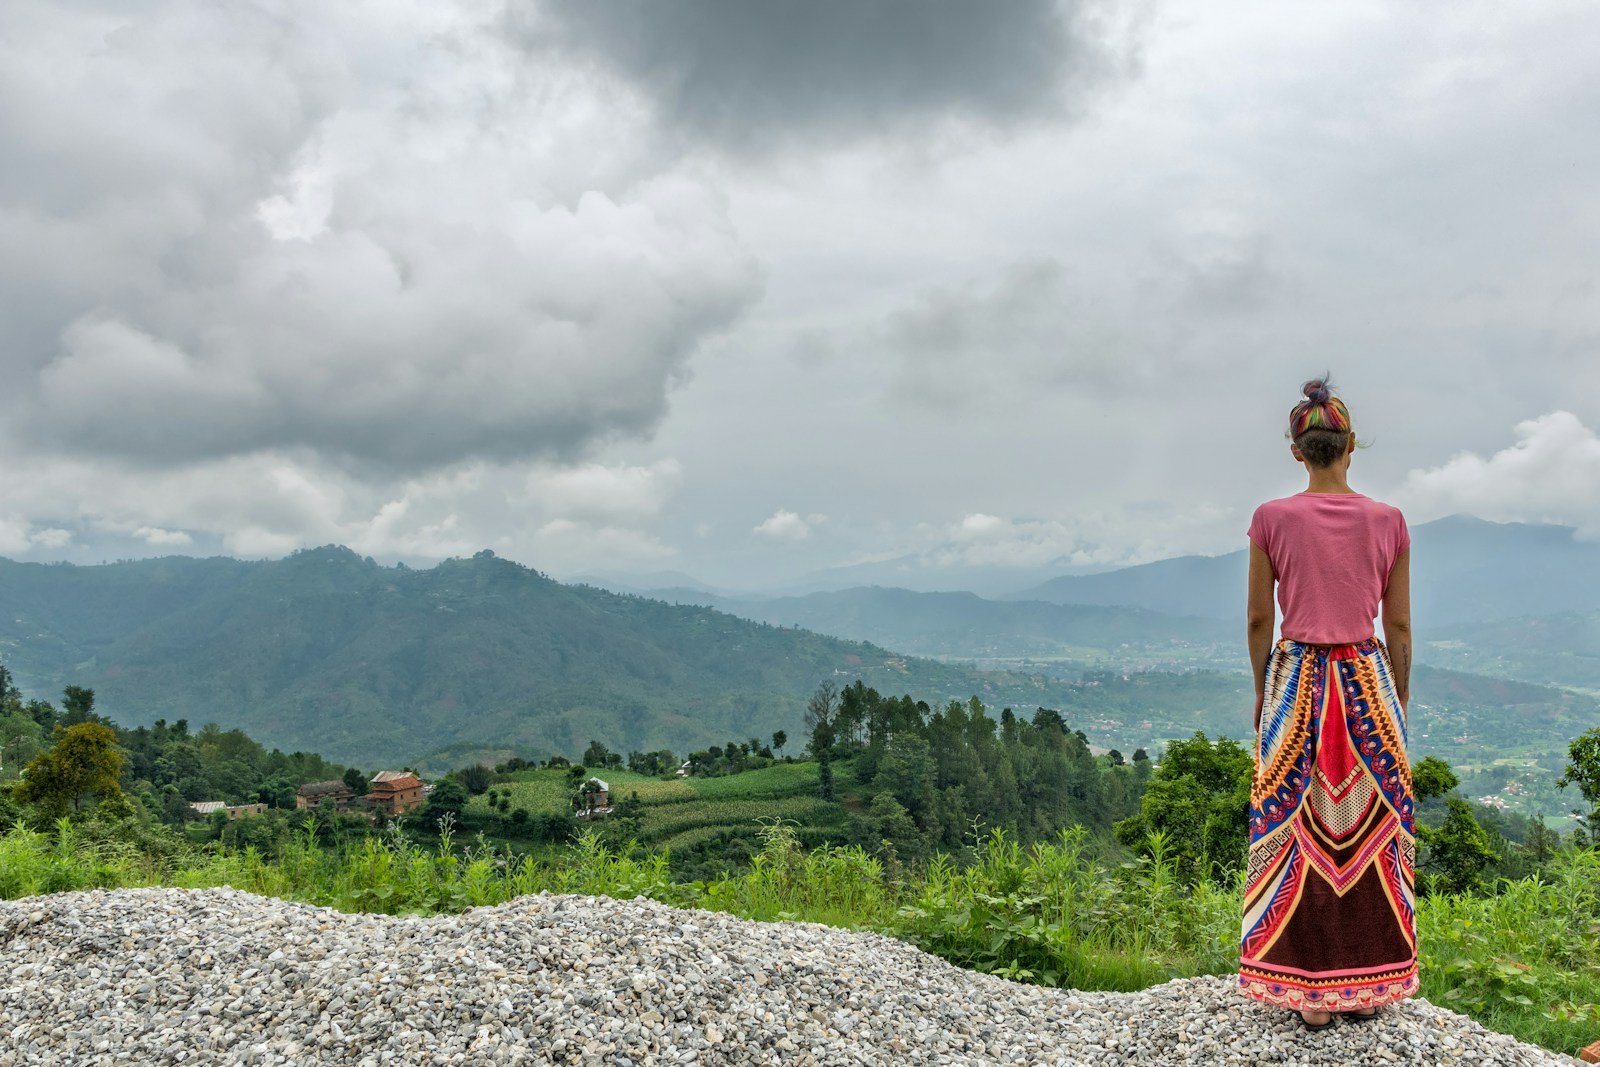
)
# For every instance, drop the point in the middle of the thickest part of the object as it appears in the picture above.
(1329, 904)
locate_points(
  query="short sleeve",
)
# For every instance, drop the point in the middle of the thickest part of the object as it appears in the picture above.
(1259, 532)
(1402, 540)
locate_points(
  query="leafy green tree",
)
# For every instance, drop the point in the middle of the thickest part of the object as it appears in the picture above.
(77, 706)
(1542, 843)
(890, 822)
(598, 755)
(84, 761)
(450, 797)
(43, 713)
(779, 739)
(1583, 771)
(1199, 798)
(556, 827)
(1432, 778)
(475, 777)
(357, 782)
(1457, 852)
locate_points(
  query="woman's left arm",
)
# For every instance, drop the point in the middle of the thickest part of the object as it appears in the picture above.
(1397, 626)
(1259, 618)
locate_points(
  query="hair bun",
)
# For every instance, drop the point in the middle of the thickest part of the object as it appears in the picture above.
(1317, 391)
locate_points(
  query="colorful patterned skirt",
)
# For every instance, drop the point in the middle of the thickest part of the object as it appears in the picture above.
(1329, 907)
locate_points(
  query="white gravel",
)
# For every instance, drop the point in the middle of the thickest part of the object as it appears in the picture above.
(156, 976)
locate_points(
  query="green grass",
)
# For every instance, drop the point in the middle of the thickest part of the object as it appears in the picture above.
(778, 780)
(552, 790)
(1523, 960)
(680, 813)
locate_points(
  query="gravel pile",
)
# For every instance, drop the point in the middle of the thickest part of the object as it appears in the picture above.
(218, 976)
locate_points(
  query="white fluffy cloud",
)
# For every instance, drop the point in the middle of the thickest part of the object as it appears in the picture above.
(785, 525)
(376, 233)
(1090, 539)
(1551, 474)
(547, 515)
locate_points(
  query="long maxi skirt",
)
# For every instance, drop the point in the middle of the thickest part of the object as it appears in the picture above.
(1329, 904)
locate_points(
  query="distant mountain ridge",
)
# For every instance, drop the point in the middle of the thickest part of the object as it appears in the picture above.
(1463, 571)
(963, 624)
(327, 651)
(482, 658)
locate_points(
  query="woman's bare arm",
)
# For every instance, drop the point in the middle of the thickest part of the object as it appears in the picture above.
(1259, 618)
(1397, 625)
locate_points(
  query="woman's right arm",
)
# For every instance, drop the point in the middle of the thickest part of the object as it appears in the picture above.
(1259, 618)
(1397, 626)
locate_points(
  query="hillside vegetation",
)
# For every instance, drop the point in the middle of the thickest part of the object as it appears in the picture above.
(325, 650)
(481, 659)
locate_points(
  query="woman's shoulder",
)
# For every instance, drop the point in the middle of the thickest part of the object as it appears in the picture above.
(1386, 511)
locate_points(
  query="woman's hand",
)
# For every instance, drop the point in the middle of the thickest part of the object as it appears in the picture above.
(1261, 699)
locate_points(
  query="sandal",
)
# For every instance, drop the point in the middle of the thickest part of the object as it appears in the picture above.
(1311, 1025)
(1359, 1016)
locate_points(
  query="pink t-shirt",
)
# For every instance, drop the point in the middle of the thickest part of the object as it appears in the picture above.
(1331, 553)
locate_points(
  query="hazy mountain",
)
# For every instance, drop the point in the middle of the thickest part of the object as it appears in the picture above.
(481, 657)
(1463, 570)
(644, 583)
(919, 574)
(964, 625)
(327, 651)
(1562, 649)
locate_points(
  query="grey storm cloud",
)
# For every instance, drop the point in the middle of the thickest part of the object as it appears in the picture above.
(1033, 327)
(753, 73)
(228, 231)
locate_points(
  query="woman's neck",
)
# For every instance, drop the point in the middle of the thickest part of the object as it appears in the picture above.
(1328, 480)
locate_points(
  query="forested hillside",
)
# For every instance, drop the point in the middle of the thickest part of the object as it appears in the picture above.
(325, 650)
(481, 658)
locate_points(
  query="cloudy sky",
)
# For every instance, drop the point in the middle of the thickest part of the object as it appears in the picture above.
(748, 289)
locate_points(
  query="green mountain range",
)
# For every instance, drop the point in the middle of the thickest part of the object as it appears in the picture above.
(482, 658)
(327, 651)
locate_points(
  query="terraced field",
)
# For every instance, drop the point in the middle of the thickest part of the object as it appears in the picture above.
(683, 814)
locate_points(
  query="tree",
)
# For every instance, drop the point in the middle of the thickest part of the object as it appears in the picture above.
(77, 706)
(475, 777)
(450, 797)
(1458, 852)
(1199, 798)
(357, 782)
(779, 739)
(819, 709)
(1432, 778)
(84, 761)
(598, 755)
(1583, 771)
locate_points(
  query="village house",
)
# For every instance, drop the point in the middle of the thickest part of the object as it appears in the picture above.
(234, 811)
(594, 798)
(395, 792)
(313, 794)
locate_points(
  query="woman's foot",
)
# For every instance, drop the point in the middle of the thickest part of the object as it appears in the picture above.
(1360, 1016)
(1315, 1020)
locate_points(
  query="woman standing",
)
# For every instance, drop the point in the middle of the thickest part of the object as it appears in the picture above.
(1329, 920)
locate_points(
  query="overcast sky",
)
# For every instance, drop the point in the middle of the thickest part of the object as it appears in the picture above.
(749, 288)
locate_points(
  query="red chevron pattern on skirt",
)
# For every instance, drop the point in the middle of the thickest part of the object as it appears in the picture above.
(1329, 905)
